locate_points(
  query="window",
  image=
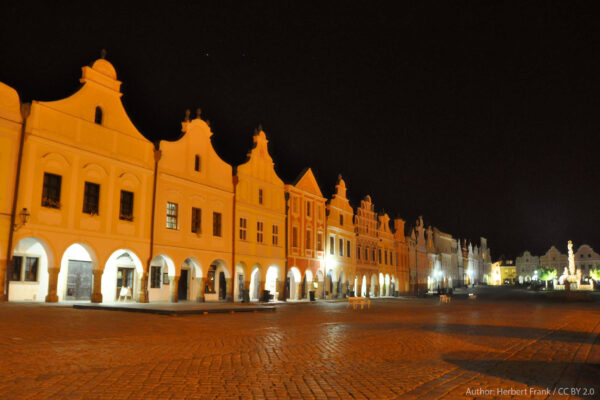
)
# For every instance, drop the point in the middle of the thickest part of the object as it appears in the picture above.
(308, 239)
(358, 252)
(155, 277)
(260, 196)
(91, 198)
(51, 190)
(341, 220)
(308, 208)
(217, 224)
(243, 228)
(347, 248)
(27, 272)
(197, 164)
(98, 116)
(341, 247)
(196, 220)
(172, 209)
(319, 241)
(275, 235)
(366, 254)
(259, 232)
(331, 245)
(379, 256)
(386, 256)
(126, 211)
(295, 236)
(373, 255)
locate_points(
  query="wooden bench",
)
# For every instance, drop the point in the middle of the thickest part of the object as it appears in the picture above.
(444, 298)
(355, 301)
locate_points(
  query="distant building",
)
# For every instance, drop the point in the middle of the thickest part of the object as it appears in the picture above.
(554, 259)
(586, 259)
(527, 265)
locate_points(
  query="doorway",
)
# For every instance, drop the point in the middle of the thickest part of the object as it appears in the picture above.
(182, 289)
(124, 280)
(222, 286)
(79, 280)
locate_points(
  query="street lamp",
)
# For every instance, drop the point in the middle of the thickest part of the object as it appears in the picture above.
(24, 216)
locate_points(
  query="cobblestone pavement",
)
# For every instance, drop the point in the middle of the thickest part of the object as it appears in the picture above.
(397, 349)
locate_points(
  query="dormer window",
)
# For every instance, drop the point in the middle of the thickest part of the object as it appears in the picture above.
(98, 116)
(197, 163)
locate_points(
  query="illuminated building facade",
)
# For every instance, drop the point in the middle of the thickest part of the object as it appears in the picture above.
(526, 266)
(102, 214)
(306, 240)
(554, 259)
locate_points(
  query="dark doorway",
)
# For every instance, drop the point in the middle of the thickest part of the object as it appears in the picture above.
(241, 287)
(182, 290)
(222, 286)
(304, 287)
(287, 288)
(79, 280)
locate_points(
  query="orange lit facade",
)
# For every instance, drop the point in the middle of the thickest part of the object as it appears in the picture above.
(306, 237)
(96, 212)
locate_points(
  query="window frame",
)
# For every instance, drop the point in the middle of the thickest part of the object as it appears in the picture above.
(172, 215)
(126, 203)
(51, 190)
(196, 220)
(259, 232)
(243, 229)
(217, 224)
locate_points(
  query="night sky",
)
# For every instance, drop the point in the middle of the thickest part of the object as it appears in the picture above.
(481, 117)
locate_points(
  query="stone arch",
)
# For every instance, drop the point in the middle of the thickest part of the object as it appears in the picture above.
(373, 285)
(255, 282)
(239, 284)
(363, 287)
(218, 282)
(387, 282)
(294, 278)
(272, 281)
(122, 269)
(381, 283)
(76, 276)
(162, 271)
(307, 284)
(25, 272)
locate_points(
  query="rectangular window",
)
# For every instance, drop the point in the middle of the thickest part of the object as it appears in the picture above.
(308, 240)
(308, 208)
(341, 246)
(295, 236)
(91, 198)
(217, 224)
(366, 254)
(319, 241)
(31, 269)
(358, 252)
(243, 228)
(197, 163)
(196, 220)
(347, 248)
(275, 235)
(373, 255)
(15, 272)
(172, 210)
(259, 232)
(379, 251)
(386, 257)
(126, 210)
(331, 245)
(260, 196)
(51, 190)
(341, 220)
(155, 277)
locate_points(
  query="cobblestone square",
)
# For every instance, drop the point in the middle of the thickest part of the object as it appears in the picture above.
(399, 348)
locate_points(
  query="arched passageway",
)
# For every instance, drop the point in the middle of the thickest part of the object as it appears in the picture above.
(76, 276)
(28, 276)
(121, 276)
(293, 283)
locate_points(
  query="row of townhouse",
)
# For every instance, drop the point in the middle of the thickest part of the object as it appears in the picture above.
(92, 210)
(528, 265)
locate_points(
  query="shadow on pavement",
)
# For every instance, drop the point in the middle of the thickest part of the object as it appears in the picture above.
(542, 374)
(510, 331)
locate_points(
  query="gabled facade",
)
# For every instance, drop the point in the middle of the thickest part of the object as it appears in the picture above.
(402, 262)
(586, 260)
(80, 156)
(259, 249)
(554, 259)
(306, 238)
(192, 222)
(367, 241)
(526, 266)
(11, 123)
(387, 256)
(341, 240)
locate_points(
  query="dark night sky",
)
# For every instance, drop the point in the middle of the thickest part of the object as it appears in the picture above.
(481, 117)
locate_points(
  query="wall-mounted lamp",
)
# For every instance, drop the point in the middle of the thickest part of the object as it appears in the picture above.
(24, 218)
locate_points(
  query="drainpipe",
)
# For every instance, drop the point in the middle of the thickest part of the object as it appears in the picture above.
(25, 110)
(233, 230)
(285, 277)
(157, 156)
